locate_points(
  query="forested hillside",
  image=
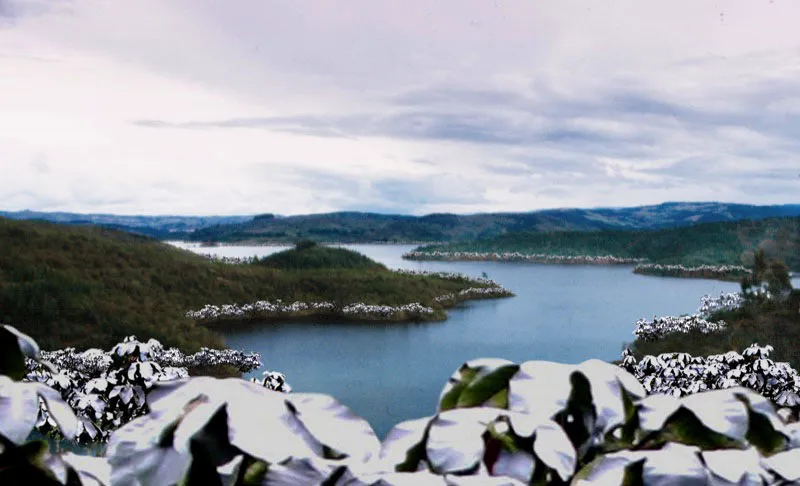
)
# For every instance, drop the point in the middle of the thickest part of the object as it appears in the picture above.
(86, 286)
(353, 227)
(730, 243)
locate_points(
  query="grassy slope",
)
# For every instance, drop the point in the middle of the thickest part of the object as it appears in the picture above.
(86, 286)
(708, 243)
(778, 325)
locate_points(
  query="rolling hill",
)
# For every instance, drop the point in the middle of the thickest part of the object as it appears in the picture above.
(359, 227)
(720, 243)
(86, 286)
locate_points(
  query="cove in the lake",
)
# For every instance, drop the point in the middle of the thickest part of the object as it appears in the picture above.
(388, 373)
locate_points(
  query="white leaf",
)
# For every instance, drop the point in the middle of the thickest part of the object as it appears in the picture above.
(400, 440)
(735, 466)
(540, 387)
(422, 478)
(136, 459)
(517, 465)
(454, 439)
(255, 413)
(93, 471)
(720, 411)
(553, 447)
(19, 407)
(607, 471)
(786, 464)
(59, 411)
(336, 426)
(26, 343)
(674, 464)
(654, 410)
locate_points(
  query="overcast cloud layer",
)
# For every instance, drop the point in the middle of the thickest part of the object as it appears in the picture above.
(412, 106)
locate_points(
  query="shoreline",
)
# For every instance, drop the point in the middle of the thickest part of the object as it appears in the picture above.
(269, 244)
(726, 273)
(263, 310)
(520, 257)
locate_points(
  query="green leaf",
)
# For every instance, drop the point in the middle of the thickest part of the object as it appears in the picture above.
(762, 435)
(255, 473)
(485, 387)
(499, 399)
(684, 427)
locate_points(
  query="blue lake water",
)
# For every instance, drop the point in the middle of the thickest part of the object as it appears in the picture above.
(392, 372)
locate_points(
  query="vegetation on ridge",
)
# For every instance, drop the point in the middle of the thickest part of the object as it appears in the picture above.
(723, 243)
(85, 286)
(357, 227)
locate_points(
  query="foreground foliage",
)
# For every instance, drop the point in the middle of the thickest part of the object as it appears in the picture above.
(497, 423)
(107, 389)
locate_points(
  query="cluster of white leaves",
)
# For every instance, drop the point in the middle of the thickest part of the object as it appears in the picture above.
(515, 256)
(273, 380)
(450, 276)
(658, 327)
(108, 389)
(231, 260)
(726, 301)
(367, 311)
(695, 271)
(680, 374)
(258, 309)
(265, 310)
(94, 361)
(474, 293)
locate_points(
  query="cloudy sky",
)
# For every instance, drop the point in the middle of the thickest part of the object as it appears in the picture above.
(411, 106)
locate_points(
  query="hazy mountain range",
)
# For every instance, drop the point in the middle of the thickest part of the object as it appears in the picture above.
(356, 227)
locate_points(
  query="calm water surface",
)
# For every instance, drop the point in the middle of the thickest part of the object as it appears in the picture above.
(392, 372)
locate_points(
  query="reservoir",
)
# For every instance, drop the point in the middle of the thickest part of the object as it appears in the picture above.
(392, 372)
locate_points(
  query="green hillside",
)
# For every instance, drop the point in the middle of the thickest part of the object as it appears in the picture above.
(86, 286)
(356, 227)
(709, 243)
(307, 255)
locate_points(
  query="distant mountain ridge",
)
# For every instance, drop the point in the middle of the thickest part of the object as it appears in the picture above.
(354, 227)
(156, 226)
(358, 227)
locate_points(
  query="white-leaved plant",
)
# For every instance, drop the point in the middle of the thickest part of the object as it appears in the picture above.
(497, 423)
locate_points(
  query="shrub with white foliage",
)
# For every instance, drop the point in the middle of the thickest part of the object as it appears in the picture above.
(108, 389)
(698, 271)
(497, 422)
(726, 301)
(658, 327)
(680, 374)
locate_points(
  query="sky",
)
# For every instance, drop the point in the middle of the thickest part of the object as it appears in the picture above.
(202, 107)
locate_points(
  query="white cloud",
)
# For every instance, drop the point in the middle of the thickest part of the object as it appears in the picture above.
(211, 107)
